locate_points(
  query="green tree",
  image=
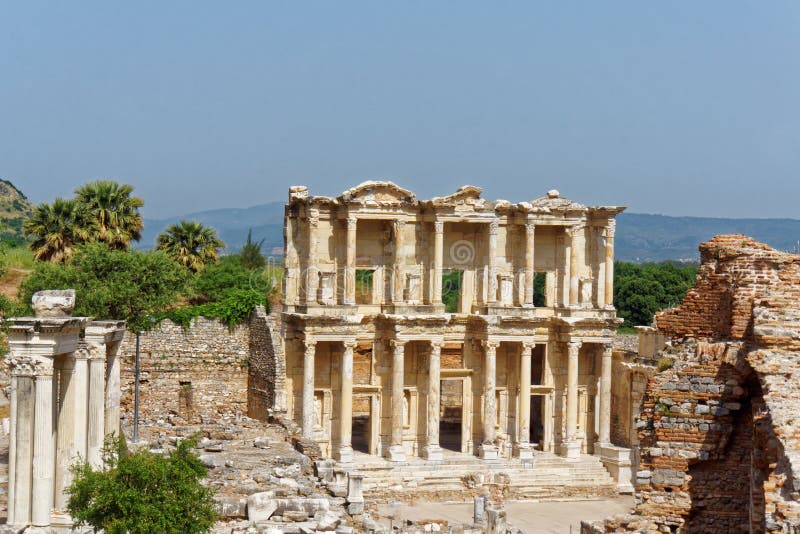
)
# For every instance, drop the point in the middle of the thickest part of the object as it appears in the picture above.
(112, 211)
(56, 229)
(218, 280)
(113, 284)
(642, 290)
(191, 244)
(251, 255)
(143, 492)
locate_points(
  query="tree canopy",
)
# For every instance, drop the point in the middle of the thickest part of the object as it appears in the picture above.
(191, 244)
(642, 290)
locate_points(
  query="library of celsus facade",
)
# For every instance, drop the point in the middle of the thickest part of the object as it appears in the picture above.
(413, 326)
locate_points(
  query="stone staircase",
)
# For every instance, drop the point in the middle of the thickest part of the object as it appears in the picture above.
(460, 477)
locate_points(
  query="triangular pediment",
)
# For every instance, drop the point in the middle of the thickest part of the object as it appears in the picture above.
(378, 192)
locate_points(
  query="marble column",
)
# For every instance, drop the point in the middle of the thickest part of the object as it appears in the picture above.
(489, 448)
(432, 450)
(574, 271)
(43, 454)
(399, 260)
(605, 396)
(571, 447)
(345, 453)
(396, 450)
(95, 432)
(309, 407)
(530, 230)
(350, 262)
(438, 256)
(113, 390)
(566, 262)
(80, 381)
(12, 444)
(609, 281)
(523, 445)
(19, 508)
(312, 278)
(492, 260)
(600, 259)
(66, 453)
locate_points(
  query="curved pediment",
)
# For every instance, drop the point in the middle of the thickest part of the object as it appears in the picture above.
(467, 197)
(378, 192)
(554, 201)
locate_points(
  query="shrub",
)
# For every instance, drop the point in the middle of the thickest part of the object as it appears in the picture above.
(143, 492)
(665, 363)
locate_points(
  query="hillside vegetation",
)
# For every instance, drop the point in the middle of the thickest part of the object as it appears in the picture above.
(14, 209)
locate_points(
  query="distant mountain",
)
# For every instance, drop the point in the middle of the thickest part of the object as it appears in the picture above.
(14, 209)
(232, 224)
(639, 238)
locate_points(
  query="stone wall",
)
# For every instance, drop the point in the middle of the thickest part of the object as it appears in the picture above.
(203, 372)
(719, 442)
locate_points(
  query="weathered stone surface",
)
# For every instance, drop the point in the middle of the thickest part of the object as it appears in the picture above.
(53, 303)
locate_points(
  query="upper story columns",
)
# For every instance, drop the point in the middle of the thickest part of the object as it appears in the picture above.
(530, 230)
(438, 258)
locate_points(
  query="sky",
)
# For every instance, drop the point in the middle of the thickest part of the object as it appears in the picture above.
(679, 108)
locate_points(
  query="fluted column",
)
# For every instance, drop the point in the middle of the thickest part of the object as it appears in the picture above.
(346, 412)
(19, 503)
(42, 484)
(396, 450)
(492, 260)
(399, 260)
(566, 260)
(489, 448)
(523, 444)
(438, 255)
(574, 272)
(432, 450)
(308, 389)
(600, 259)
(12, 445)
(350, 262)
(96, 416)
(571, 446)
(609, 281)
(530, 229)
(66, 453)
(312, 277)
(605, 396)
(112, 390)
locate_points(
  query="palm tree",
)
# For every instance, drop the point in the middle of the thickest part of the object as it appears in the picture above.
(56, 229)
(191, 244)
(114, 212)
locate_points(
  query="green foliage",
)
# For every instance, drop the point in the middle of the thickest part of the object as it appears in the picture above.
(451, 290)
(217, 280)
(364, 281)
(191, 244)
(235, 308)
(251, 255)
(112, 284)
(57, 229)
(642, 290)
(143, 492)
(539, 283)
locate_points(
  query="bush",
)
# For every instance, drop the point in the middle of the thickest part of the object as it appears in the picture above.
(642, 290)
(143, 492)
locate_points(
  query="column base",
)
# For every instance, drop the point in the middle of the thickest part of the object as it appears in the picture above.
(345, 455)
(396, 454)
(523, 451)
(433, 453)
(488, 452)
(571, 449)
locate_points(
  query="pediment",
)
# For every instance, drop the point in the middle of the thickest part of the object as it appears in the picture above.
(467, 197)
(378, 193)
(554, 201)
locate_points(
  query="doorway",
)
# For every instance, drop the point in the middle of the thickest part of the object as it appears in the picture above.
(365, 430)
(537, 422)
(451, 414)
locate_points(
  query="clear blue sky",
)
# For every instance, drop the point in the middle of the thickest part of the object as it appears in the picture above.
(682, 108)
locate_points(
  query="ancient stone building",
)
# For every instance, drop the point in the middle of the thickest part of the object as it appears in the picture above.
(718, 435)
(478, 326)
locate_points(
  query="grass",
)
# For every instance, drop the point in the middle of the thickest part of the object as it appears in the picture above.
(626, 330)
(18, 257)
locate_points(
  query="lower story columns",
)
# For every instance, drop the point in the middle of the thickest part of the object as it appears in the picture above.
(522, 447)
(605, 397)
(345, 452)
(489, 447)
(396, 451)
(571, 447)
(42, 486)
(308, 389)
(432, 450)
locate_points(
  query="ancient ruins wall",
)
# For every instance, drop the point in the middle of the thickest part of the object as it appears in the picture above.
(204, 371)
(718, 433)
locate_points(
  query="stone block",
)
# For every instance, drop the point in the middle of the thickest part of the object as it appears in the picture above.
(53, 303)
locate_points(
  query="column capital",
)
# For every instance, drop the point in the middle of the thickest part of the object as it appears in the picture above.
(397, 345)
(30, 366)
(528, 345)
(608, 350)
(530, 227)
(400, 223)
(350, 344)
(351, 219)
(490, 345)
(574, 345)
(310, 345)
(568, 232)
(438, 226)
(313, 216)
(494, 226)
(611, 228)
